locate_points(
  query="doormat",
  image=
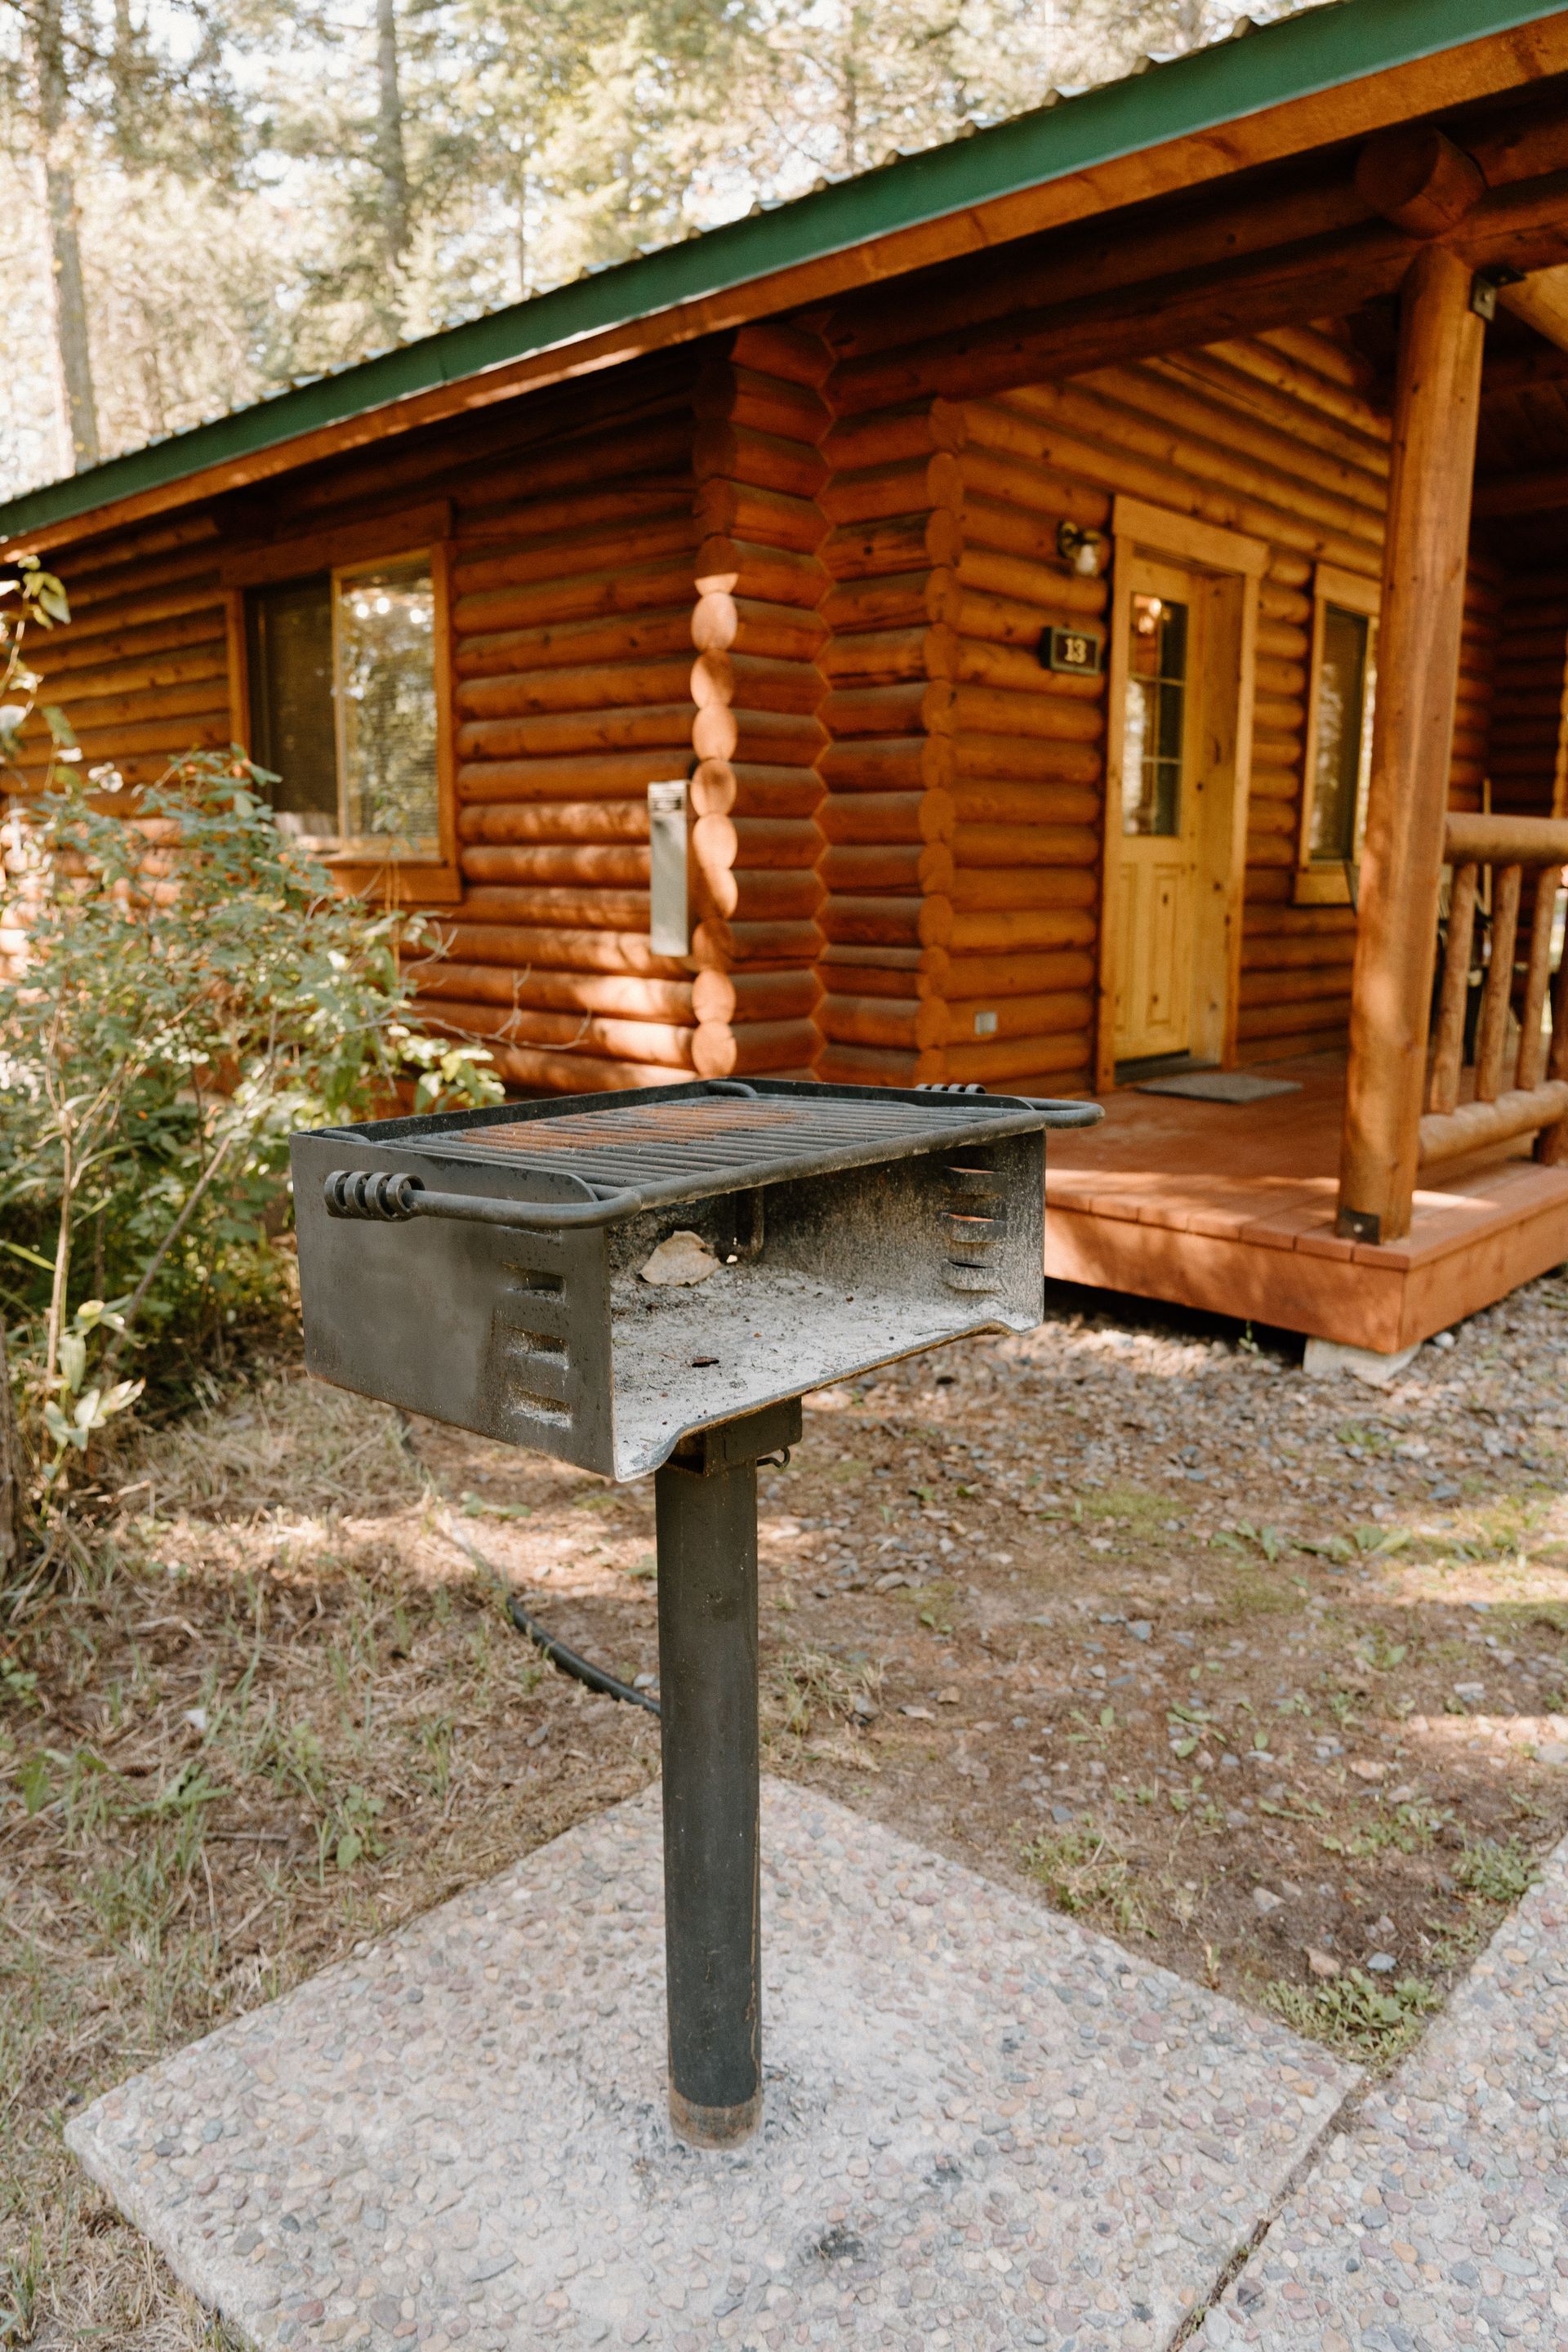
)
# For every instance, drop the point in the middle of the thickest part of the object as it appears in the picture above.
(1219, 1086)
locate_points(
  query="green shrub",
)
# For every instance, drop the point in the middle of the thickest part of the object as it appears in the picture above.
(194, 990)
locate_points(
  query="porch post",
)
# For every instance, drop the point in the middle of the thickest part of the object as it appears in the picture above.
(1437, 400)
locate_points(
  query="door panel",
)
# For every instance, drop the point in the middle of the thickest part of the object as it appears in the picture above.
(1158, 864)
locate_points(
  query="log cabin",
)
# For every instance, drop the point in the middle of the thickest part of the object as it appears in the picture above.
(1082, 609)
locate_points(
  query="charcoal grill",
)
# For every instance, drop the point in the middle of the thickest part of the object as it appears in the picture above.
(496, 1269)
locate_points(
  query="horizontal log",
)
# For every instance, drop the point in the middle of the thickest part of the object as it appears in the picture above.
(1020, 671)
(789, 738)
(622, 994)
(902, 600)
(777, 347)
(566, 555)
(1254, 1020)
(178, 570)
(993, 980)
(63, 655)
(1302, 987)
(1506, 841)
(902, 489)
(555, 733)
(657, 439)
(82, 689)
(1054, 1015)
(143, 612)
(1349, 450)
(884, 656)
(572, 910)
(1266, 815)
(878, 1066)
(1028, 579)
(1270, 848)
(1018, 1059)
(728, 565)
(848, 868)
(921, 705)
(887, 921)
(905, 543)
(1284, 679)
(994, 478)
(1265, 359)
(983, 930)
(607, 587)
(668, 1044)
(592, 863)
(1274, 783)
(732, 452)
(722, 788)
(718, 842)
(736, 998)
(722, 622)
(901, 763)
(485, 532)
(910, 1022)
(533, 949)
(996, 710)
(1447, 1135)
(848, 970)
(567, 821)
(1285, 605)
(600, 687)
(745, 893)
(1284, 641)
(572, 1074)
(1009, 621)
(1014, 845)
(895, 436)
(172, 735)
(755, 682)
(612, 775)
(1286, 953)
(1249, 453)
(888, 816)
(1021, 759)
(763, 402)
(742, 510)
(1024, 804)
(154, 704)
(718, 944)
(720, 1051)
(977, 888)
(574, 645)
(1297, 922)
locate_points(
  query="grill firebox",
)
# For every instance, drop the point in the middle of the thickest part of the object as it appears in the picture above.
(491, 1268)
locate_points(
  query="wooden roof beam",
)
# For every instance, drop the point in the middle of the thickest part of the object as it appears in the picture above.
(1542, 301)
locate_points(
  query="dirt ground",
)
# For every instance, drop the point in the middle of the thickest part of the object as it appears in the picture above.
(1267, 1677)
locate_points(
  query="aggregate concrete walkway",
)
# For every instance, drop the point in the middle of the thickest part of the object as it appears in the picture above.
(1441, 2220)
(985, 2127)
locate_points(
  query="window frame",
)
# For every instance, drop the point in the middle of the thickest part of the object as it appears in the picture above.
(358, 865)
(1320, 883)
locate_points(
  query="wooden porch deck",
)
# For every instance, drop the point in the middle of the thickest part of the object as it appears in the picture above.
(1231, 1207)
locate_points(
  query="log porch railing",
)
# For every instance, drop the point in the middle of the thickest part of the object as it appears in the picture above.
(1520, 1083)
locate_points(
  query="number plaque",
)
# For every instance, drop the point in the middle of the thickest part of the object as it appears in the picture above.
(1077, 651)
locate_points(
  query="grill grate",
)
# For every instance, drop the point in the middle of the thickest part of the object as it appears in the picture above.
(713, 1136)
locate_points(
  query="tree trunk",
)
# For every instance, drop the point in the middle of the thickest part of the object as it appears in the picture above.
(393, 163)
(13, 1480)
(68, 287)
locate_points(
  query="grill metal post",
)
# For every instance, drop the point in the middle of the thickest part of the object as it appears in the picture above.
(706, 1506)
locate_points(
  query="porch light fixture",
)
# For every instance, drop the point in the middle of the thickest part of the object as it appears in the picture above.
(1087, 552)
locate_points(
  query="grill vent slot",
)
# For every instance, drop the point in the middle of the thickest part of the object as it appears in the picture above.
(529, 1345)
(973, 1224)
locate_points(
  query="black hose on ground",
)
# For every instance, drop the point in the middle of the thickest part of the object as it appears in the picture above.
(581, 1669)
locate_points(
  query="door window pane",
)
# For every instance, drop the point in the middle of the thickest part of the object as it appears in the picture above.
(1155, 717)
(386, 703)
(1343, 735)
(290, 629)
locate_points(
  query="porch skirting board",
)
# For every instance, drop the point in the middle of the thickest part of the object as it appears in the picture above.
(1470, 1244)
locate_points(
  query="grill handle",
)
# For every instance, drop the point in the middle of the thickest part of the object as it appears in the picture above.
(388, 1199)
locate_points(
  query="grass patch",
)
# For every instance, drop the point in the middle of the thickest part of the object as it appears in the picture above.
(1085, 1872)
(1355, 2016)
(1497, 1873)
(806, 1683)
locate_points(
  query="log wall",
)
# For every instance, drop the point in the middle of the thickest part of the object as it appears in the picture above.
(828, 615)
(1529, 730)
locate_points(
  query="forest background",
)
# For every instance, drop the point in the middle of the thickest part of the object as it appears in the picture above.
(204, 201)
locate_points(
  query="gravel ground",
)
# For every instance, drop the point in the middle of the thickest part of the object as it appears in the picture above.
(1267, 1677)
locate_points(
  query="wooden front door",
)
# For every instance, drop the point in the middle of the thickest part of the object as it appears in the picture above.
(1157, 917)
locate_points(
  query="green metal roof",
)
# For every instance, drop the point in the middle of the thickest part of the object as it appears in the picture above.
(1295, 57)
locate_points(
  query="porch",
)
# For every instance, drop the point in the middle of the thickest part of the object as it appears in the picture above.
(1232, 1207)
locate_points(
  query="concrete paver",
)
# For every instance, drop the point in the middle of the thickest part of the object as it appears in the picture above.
(1440, 2218)
(985, 2126)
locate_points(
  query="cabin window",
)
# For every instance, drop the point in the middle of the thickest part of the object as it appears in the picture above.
(344, 706)
(1155, 718)
(1342, 685)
